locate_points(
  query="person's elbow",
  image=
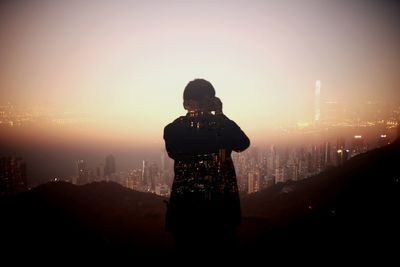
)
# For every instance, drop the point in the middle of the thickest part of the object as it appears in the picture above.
(242, 144)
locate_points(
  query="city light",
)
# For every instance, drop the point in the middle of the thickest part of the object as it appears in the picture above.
(114, 88)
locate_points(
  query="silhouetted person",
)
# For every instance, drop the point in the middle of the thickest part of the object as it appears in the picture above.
(204, 206)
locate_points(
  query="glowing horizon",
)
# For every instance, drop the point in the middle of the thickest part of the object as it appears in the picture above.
(126, 64)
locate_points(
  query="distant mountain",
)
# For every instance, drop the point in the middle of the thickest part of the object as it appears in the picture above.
(338, 212)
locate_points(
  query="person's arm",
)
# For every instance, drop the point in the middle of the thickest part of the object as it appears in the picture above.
(169, 139)
(180, 140)
(232, 137)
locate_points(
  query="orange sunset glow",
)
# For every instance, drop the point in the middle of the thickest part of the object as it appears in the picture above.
(125, 64)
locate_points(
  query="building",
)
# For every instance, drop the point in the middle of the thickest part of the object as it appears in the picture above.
(341, 156)
(109, 167)
(100, 172)
(253, 182)
(358, 145)
(326, 160)
(13, 177)
(82, 172)
(280, 175)
(383, 140)
(147, 179)
(154, 176)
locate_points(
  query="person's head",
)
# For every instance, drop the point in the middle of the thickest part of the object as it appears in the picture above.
(199, 95)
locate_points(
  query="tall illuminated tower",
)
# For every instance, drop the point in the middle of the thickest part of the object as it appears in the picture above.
(317, 111)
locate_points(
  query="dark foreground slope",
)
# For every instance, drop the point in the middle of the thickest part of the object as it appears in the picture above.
(350, 208)
(343, 211)
(102, 217)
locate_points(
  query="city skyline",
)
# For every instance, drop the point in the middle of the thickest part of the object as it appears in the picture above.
(258, 168)
(88, 80)
(58, 153)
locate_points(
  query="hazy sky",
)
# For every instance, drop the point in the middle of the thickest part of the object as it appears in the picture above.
(127, 62)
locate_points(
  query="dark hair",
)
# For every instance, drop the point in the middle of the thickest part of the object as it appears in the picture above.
(198, 90)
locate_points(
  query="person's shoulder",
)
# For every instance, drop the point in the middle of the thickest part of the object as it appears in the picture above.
(175, 123)
(223, 118)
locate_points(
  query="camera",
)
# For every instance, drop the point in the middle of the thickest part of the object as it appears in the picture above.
(217, 105)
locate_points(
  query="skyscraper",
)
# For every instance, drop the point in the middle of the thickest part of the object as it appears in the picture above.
(100, 172)
(252, 182)
(154, 176)
(83, 173)
(341, 151)
(109, 167)
(146, 183)
(317, 112)
(326, 155)
(12, 175)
